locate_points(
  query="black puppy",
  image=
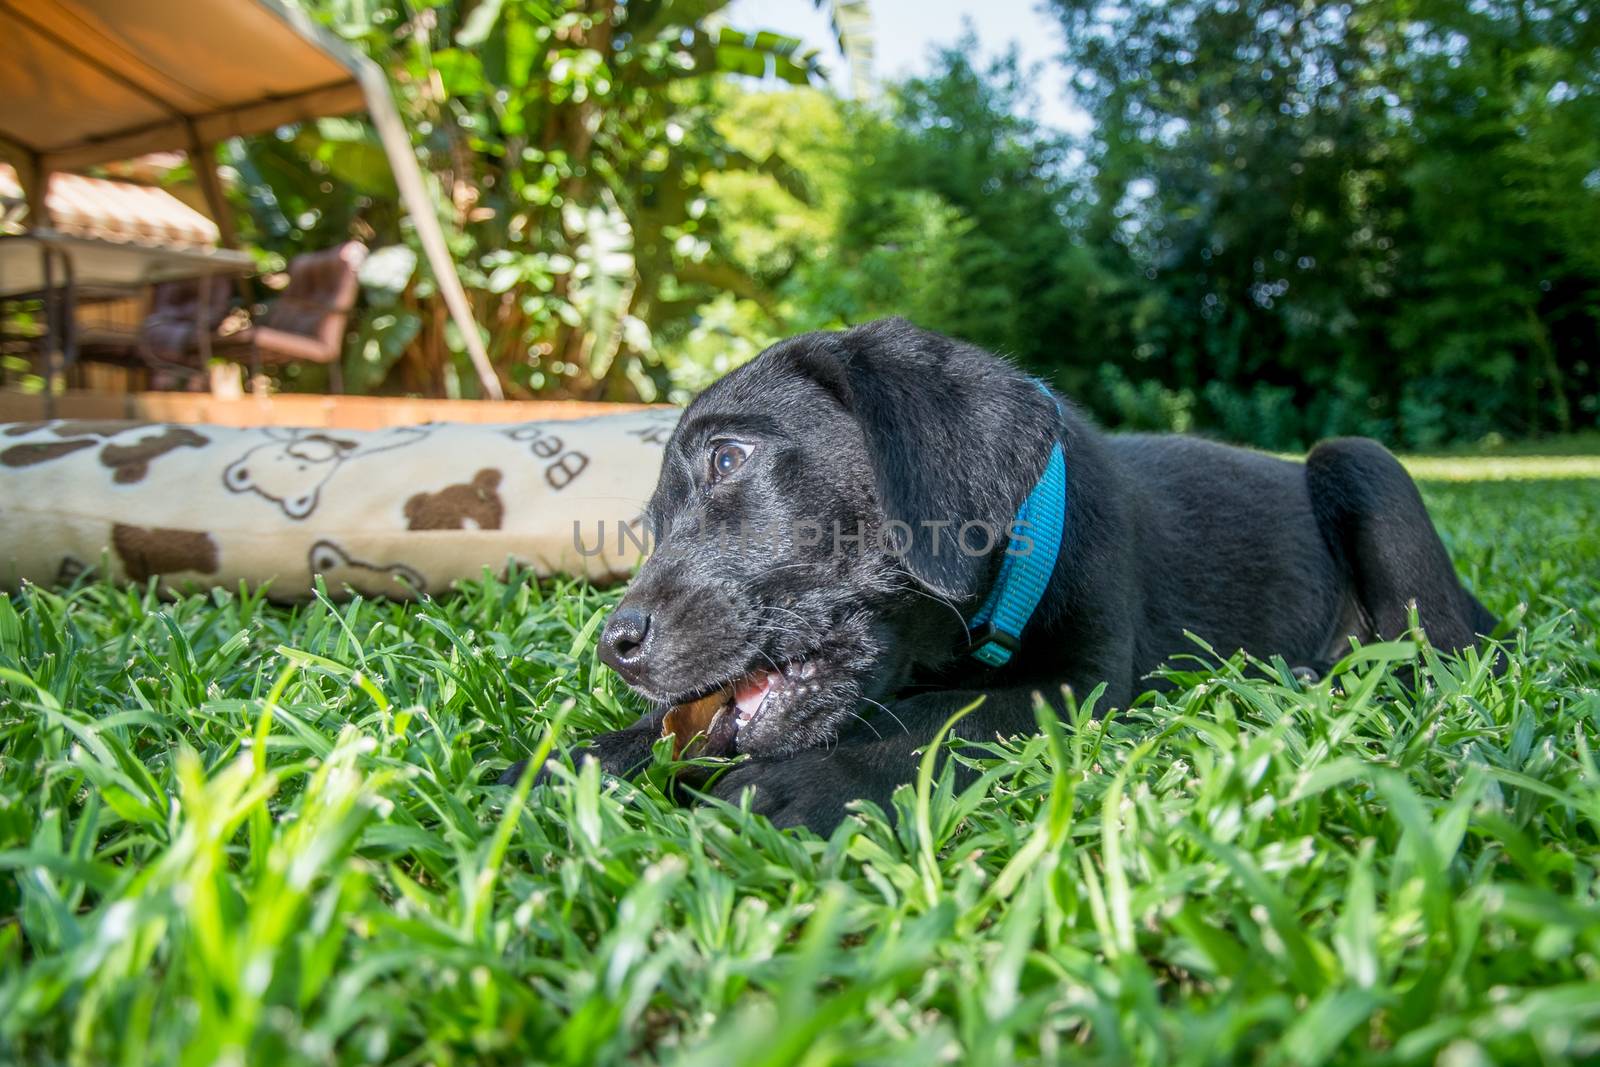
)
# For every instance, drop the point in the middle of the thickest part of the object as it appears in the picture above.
(831, 516)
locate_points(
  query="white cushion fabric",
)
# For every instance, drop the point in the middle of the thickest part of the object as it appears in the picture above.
(394, 512)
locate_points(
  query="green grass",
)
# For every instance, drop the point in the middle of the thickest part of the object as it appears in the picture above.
(237, 833)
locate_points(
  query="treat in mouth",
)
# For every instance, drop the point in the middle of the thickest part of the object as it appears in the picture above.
(705, 719)
(721, 715)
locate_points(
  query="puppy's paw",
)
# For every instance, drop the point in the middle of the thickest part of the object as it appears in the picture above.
(809, 789)
(621, 753)
(513, 773)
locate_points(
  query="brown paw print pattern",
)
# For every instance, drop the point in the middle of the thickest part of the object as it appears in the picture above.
(340, 569)
(132, 461)
(384, 512)
(33, 452)
(128, 456)
(146, 552)
(473, 505)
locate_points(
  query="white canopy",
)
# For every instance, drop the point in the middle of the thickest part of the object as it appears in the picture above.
(86, 82)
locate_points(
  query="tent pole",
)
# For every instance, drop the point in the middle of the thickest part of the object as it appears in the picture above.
(34, 177)
(408, 176)
(203, 158)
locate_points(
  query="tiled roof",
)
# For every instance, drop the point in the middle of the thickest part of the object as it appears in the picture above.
(117, 211)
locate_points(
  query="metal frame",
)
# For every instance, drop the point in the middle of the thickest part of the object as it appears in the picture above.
(60, 304)
(199, 134)
(61, 298)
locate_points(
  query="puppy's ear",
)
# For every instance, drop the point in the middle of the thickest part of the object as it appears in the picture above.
(957, 439)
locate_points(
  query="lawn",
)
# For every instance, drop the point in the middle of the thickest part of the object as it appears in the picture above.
(238, 833)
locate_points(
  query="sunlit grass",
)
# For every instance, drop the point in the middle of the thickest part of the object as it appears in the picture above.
(233, 832)
(1501, 468)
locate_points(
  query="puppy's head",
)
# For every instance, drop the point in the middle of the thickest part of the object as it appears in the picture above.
(827, 517)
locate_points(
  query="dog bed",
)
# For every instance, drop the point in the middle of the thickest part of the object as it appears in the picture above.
(395, 512)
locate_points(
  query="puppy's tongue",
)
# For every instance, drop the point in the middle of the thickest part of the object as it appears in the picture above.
(751, 690)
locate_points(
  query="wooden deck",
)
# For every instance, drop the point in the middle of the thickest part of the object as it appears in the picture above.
(296, 409)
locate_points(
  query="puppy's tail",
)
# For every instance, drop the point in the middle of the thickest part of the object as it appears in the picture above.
(1377, 527)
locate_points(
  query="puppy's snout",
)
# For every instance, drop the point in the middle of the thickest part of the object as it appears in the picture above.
(622, 642)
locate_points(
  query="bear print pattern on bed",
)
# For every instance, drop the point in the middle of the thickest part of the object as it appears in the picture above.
(393, 512)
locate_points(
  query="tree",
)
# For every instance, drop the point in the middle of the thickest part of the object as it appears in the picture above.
(568, 143)
(1374, 216)
(957, 212)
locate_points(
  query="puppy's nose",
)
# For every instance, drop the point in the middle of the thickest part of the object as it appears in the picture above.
(622, 642)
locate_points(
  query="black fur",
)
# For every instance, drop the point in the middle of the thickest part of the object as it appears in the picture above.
(1164, 534)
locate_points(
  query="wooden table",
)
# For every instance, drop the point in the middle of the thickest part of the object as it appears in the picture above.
(54, 267)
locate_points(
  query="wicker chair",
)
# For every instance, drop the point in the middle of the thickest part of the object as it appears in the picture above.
(168, 338)
(306, 323)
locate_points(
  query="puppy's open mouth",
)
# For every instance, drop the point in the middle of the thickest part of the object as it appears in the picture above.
(736, 707)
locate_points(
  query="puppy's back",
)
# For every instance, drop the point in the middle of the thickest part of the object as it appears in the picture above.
(1229, 548)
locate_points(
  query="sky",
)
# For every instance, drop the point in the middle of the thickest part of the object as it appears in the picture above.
(906, 31)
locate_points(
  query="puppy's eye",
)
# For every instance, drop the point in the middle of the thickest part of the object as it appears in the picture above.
(727, 457)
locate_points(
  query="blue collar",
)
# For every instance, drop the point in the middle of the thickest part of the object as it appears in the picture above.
(1030, 560)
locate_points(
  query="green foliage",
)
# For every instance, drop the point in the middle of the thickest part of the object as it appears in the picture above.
(234, 832)
(567, 144)
(957, 215)
(1289, 221)
(773, 221)
(1376, 217)
(949, 205)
